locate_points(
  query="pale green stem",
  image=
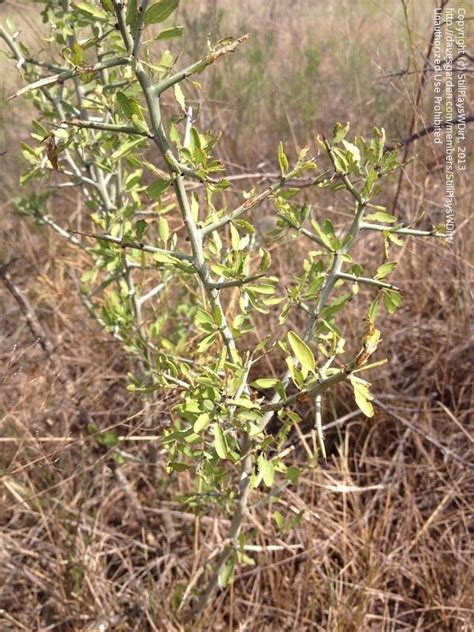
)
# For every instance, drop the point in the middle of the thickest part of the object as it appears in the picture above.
(243, 208)
(304, 231)
(331, 279)
(139, 28)
(196, 239)
(200, 264)
(134, 246)
(177, 173)
(401, 230)
(198, 66)
(316, 389)
(14, 48)
(61, 231)
(106, 127)
(220, 285)
(69, 74)
(318, 422)
(367, 281)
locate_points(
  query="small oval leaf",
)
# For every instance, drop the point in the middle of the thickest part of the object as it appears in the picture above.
(302, 352)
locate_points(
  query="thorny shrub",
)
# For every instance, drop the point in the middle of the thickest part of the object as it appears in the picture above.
(165, 253)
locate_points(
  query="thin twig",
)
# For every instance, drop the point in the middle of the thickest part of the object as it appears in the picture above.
(123, 243)
(424, 131)
(425, 435)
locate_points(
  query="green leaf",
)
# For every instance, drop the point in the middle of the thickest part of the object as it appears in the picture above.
(203, 318)
(295, 374)
(108, 5)
(162, 257)
(261, 289)
(328, 230)
(132, 14)
(155, 190)
(118, 458)
(242, 402)
(340, 160)
(220, 443)
(362, 395)
(357, 270)
(282, 159)
(194, 207)
(109, 439)
(293, 474)
(179, 94)
(77, 56)
(372, 314)
(279, 519)
(206, 342)
(254, 430)
(391, 300)
(393, 237)
(226, 573)
(141, 227)
(385, 269)
(171, 33)
(30, 154)
(177, 467)
(352, 151)
(302, 352)
(266, 260)
(201, 422)
(126, 148)
(322, 235)
(160, 11)
(370, 181)
(265, 382)
(381, 216)
(336, 305)
(266, 470)
(339, 133)
(139, 124)
(235, 238)
(11, 25)
(295, 520)
(91, 11)
(163, 229)
(129, 106)
(246, 226)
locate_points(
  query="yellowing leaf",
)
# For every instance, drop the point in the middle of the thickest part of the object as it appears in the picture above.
(235, 238)
(352, 150)
(362, 395)
(179, 94)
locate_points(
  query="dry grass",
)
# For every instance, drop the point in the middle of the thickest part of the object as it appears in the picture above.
(384, 543)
